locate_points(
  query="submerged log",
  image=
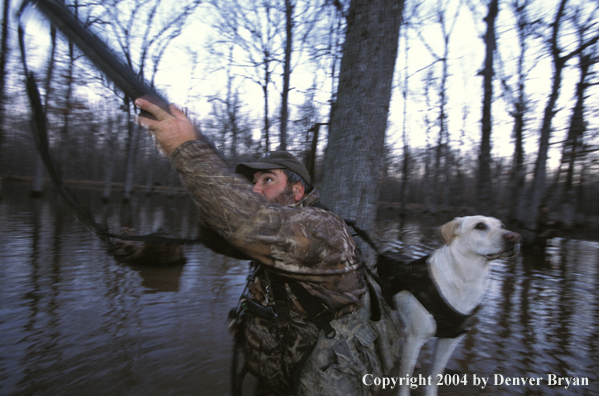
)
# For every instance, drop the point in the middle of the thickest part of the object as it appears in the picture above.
(147, 253)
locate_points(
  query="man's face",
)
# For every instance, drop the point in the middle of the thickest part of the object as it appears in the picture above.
(272, 184)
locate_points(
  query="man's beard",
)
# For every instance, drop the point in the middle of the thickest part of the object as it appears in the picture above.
(285, 197)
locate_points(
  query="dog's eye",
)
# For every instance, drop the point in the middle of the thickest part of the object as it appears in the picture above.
(502, 227)
(481, 226)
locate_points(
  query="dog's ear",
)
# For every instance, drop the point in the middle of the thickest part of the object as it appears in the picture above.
(448, 230)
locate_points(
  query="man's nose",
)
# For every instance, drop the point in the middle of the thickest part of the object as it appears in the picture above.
(257, 188)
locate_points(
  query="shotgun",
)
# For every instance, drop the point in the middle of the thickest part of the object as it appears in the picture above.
(120, 73)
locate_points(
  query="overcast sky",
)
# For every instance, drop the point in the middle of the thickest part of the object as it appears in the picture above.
(466, 57)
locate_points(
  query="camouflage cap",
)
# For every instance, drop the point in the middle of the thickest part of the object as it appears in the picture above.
(274, 160)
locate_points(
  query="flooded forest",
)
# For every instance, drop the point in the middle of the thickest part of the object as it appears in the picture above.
(492, 109)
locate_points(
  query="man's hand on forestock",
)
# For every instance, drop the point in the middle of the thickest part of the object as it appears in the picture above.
(169, 130)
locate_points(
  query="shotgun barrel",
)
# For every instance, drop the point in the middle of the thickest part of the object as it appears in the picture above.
(120, 73)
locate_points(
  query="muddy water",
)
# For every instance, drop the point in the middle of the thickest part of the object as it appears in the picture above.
(73, 321)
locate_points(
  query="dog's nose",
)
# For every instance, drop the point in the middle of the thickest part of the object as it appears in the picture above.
(513, 237)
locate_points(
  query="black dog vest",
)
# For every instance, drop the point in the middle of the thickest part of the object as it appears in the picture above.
(397, 274)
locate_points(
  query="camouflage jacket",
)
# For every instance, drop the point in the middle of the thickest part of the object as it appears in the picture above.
(310, 245)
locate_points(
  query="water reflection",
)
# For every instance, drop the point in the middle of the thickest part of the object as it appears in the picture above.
(74, 321)
(538, 319)
(157, 279)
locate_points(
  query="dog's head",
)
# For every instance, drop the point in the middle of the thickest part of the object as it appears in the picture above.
(480, 235)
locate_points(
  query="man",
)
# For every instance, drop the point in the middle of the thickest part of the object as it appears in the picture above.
(278, 176)
(306, 328)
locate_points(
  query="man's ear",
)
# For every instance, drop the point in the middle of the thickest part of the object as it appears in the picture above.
(449, 230)
(298, 191)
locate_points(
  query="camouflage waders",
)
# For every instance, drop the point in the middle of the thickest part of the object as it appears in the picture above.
(366, 341)
(361, 346)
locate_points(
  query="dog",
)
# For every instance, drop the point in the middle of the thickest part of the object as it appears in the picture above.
(437, 296)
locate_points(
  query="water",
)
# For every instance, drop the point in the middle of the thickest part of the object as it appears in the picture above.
(73, 321)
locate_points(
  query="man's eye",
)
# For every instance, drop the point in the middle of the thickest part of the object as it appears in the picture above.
(267, 179)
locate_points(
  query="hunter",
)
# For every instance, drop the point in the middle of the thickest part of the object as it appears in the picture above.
(305, 328)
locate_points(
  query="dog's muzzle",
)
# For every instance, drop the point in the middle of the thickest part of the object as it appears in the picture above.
(511, 246)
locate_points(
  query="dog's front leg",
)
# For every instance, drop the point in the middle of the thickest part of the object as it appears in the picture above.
(419, 328)
(444, 350)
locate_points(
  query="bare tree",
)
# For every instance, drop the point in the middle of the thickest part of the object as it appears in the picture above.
(143, 34)
(537, 188)
(289, 7)
(109, 157)
(407, 156)
(484, 184)
(233, 106)
(333, 47)
(37, 188)
(430, 203)
(68, 96)
(441, 165)
(359, 116)
(459, 186)
(301, 18)
(3, 58)
(519, 107)
(573, 148)
(255, 28)
(226, 113)
(4, 50)
(406, 147)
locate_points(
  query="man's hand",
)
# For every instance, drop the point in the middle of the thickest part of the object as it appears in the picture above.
(169, 130)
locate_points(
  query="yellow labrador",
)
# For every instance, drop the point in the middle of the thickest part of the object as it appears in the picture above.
(446, 289)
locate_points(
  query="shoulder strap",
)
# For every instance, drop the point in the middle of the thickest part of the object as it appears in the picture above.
(314, 308)
(360, 232)
(316, 311)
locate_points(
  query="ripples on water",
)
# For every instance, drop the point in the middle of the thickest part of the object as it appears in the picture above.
(75, 322)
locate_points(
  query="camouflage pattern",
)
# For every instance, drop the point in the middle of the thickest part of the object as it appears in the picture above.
(310, 245)
(361, 346)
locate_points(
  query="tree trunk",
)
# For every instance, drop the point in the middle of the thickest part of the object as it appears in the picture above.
(443, 149)
(64, 133)
(311, 160)
(572, 144)
(4, 49)
(37, 188)
(172, 177)
(131, 157)
(109, 159)
(434, 197)
(150, 168)
(266, 121)
(430, 202)
(3, 58)
(537, 188)
(232, 106)
(484, 182)
(405, 177)
(234, 139)
(517, 198)
(351, 182)
(286, 74)
(66, 143)
(406, 148)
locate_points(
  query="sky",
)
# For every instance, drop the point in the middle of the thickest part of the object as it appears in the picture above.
(192, 86)
(466, 57)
